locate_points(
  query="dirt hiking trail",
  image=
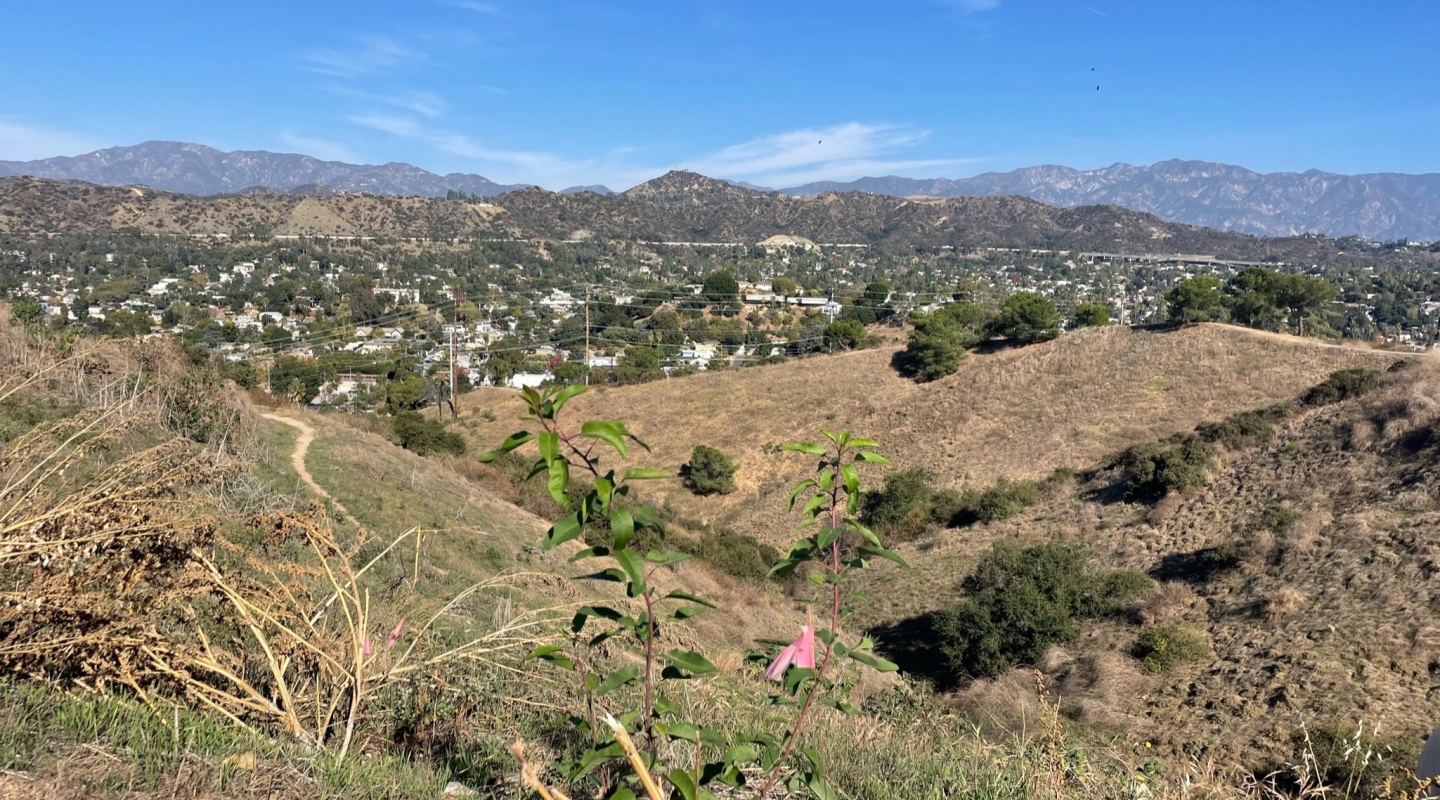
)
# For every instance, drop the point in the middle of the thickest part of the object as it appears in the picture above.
(297, 459)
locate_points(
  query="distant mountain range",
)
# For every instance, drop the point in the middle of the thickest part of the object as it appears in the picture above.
(1383, 206)
(200, 170)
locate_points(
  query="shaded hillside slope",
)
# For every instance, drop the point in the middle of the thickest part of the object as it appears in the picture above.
(1018, 413)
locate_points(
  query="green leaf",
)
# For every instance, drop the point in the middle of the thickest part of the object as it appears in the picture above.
(564, 529)
(596, 757)
(864, 443)
(634, 567)
(605, 489)
(666, 558)
(622, 793)
(813, 507)
(686, 612)
(808, 448)
(560, 481)
(880, 552)
(643, 474)
(834, 437)
(865, 532)
(592, 682)
(618, 678)
(590, 552)
(665, 705)
(684, 784)
(511, 442)
(742, 754)
(622, 526)
(552, 654)
(826, 537)
(564, 395)
(783, 568)
(646, 516)
(800, 487)
(817, 578)
(538, 467)
(872, 458)
(609, 432)
(679, 595)
(549, 444)
(585, 612)
(691, 662)
(797, 676)
(873, 661)
(852, 480)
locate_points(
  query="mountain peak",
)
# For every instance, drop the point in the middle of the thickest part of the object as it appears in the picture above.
(680, 185)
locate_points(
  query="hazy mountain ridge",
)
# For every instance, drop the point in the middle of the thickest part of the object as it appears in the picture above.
(200, 170)
(1381, 206)
(677, 207)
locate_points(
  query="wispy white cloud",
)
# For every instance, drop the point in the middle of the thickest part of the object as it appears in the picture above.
(428, 104)
(477, 6)
(1088, 8)
(971, 6)
(396, 126)
(371, 54)
(317, 147)
(839, 152)
(21, 142)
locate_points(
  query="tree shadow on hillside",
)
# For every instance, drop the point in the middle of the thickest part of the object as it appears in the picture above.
(913, 645)
(1197, 566)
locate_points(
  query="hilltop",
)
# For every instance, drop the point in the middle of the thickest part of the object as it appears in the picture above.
(1017, 413)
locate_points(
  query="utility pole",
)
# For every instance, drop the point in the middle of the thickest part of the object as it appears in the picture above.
(587, 334)
(457, 297)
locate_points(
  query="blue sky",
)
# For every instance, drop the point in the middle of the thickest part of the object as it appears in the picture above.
(777, 93)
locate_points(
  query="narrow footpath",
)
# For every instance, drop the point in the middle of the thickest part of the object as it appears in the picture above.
(297, 459)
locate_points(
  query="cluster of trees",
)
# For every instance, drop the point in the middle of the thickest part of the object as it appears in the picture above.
(1256, 298)
(940, 341)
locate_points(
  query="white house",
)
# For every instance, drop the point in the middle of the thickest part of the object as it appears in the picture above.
(528, 380)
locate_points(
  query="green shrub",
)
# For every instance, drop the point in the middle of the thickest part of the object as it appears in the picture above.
(1179, 464)
(902, 509)
(940, 341)
(734, 554)
(1026, 317)
(1002, 501)
(1090, 315)
(1343, 385)
(1279, 520)
(710, 471)
(1019, 601)
(1006, 499)
(425, 436)
(196, 406)
(1246, 429)
(1165, 647)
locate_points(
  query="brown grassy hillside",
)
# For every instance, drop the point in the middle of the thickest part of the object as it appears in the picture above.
(1018, 413)
(1309, 564)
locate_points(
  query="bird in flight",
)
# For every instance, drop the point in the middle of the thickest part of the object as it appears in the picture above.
(1097, 88)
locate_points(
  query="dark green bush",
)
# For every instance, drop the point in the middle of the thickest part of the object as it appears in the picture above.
(734, 554)
(1279, 520)
(1019, 601)
(1246, 429)
(710, 471)
(426, 436)
(1006, 499)
(901, 510)
(1179, 464)
(1343, 385)
(1165, 647)
(948, 507)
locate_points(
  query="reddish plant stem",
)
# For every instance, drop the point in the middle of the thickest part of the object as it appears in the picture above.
(817, 686)
(649, 665)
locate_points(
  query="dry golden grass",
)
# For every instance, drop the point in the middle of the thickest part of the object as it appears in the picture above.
(1018, 413)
